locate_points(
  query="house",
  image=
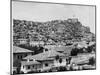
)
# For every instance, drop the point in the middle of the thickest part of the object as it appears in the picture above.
(66, 50)
(43, 61)
(18, 54)
(36, 43)
(73, 20)
(49, 47)
(81, 44)
(25, 66)
(62, 49)
(20, 41)
(82, 59)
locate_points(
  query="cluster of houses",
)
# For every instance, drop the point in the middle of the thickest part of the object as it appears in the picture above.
(59, 50)
(52, 57)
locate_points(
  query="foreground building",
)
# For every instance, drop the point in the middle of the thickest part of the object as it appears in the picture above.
(56, 57)
(18, 55)
(43, 61)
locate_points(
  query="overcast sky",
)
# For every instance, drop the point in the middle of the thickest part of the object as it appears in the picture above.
(42, 12)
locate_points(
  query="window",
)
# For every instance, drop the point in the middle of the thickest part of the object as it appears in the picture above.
(30, 59)
(28, 67)
(46, 64)
(18, 57)
(33, 66)
(25, 55)
(21, 57)
(67, 59)
(60, 60)
(46, 49)
(32, 53)
(23, 66)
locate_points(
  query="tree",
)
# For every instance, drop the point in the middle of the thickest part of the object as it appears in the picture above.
(91, 61)
(74, 52)
(17, 64)
(89, 49)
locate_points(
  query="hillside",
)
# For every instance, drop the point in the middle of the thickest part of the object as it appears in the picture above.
(57, 30)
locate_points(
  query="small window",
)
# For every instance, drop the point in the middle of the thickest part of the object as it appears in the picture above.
(31, 60)
(25, 55)
(33, 66)
(21, 56)
(66, 59)
(46, 49)
(28, 67)
(32, 53)
(17, 57)
(23, 66)
(46, 64)
(60, 60)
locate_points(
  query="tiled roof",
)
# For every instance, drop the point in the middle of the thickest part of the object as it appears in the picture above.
(64, 49)
(45, 56)
(61, 48)
(82, 58)
(20, 50)
(29, 63)
(92, 43)
(81, 44)
(68, 50)
(79, 60)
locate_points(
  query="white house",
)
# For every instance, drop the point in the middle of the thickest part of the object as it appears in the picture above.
(30, 65)
(43, 61)
(36, 43)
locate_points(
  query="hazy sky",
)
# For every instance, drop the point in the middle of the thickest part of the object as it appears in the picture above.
(33, 11)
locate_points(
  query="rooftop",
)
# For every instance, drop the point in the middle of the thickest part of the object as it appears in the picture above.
(20, 50)
(82, 58)
(81, 44)
(64, 49)
(45, 56)
(92, 43)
